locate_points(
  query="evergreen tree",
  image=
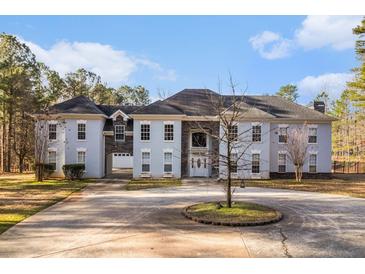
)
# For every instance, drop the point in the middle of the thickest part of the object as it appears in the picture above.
(289, 92)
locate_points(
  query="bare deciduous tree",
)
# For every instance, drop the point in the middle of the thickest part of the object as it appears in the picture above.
(232, 155)
(297, 147)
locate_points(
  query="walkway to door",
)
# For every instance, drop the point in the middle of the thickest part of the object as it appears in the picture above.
(121, 173)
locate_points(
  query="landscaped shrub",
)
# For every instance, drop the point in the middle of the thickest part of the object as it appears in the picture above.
(43, 170)
(73, 171)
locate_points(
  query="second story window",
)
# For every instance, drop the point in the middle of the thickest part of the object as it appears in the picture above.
(119, 133)
(169, 132)
(52, 132)
(312, 135)
(145, 132)
(233, 133)
(283, 135)
(256, 133)
(81, 131)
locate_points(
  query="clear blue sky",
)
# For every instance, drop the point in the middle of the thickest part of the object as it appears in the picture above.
(171, 53)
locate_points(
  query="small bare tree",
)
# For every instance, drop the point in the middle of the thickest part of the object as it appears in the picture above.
(232, 157)
(41, 146)
(297, 147)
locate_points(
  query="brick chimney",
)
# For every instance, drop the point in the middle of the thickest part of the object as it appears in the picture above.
(319, 106)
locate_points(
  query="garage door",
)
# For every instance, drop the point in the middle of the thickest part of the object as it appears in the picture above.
(122, 160)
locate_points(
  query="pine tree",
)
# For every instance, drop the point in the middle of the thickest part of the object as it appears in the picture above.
(289, 92)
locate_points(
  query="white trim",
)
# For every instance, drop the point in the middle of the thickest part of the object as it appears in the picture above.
(256, 123)
(52, 122)
(81, 121)
(255, 151)
(81, 149)
(52, 149)
(286, 156)
(145, 122)
(312, 126)
(283, 125)
(77, 158)
(312, 152)
(145, 150)
(168, 122)
(117, 113)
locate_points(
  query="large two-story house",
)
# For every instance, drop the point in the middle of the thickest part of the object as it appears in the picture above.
(173, 137)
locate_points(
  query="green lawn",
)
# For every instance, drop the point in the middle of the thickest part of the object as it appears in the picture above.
(240, 212)
(21, 196)
(350, 186)
(151, 183)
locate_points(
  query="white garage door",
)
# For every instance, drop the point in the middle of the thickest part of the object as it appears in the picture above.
(122, 160)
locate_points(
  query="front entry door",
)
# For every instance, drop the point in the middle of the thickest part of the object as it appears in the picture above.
(199, 166)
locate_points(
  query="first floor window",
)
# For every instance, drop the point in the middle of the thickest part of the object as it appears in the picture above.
(52, 132)
(119, 133)
(282, 162)
(255, 163)
(145, 132)
(256, 133)
(146, 161)
(81, 131)
(81, 156)
(313, 163)
(312, 135)
(52, 159)
(283, 135)
(169, 132)
(234, 159)
(167, 167)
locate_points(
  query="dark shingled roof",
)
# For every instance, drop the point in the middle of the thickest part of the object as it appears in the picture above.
(78, 105)
(110, 109)
(198, 102)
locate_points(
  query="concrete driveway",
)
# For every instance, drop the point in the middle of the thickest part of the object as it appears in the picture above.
(106, 221)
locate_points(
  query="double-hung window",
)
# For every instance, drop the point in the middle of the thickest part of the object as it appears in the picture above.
(234, 159)
(282, 162)
(169, 132)
(283, 135)
(167, 159)
(256, 133)
(81, 131)
(81, 157)
(233, 133)
(52, 132)
(312, 135)
(119, 133)
(255, 163)
(313, 163)
(146, 161)
(52, 158)
(145, 131)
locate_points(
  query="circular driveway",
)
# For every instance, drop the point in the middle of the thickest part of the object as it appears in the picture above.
(106, 221)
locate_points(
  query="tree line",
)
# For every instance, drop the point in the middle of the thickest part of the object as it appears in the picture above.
(29, 86)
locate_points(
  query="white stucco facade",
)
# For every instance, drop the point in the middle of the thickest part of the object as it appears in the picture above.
(67, 146)
(156, 146)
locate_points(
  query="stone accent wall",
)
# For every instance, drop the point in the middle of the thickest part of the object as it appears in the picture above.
(112, 146)
(210, 126)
